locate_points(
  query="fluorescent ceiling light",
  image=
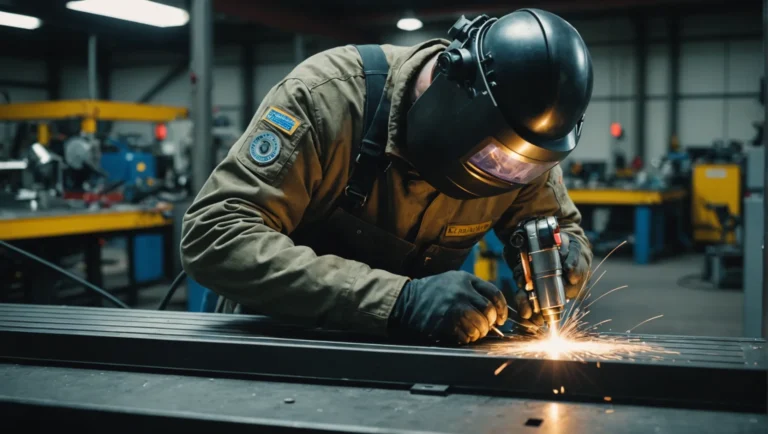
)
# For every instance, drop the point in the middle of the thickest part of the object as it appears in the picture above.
(139, 11)
(409, 24)
(19, 21)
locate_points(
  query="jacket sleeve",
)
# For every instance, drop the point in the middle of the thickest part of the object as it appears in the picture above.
(235, 234)
(547, 196)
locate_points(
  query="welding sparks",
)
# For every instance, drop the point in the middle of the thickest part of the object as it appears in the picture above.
(644, 322)
(501, 368)
(576, 339)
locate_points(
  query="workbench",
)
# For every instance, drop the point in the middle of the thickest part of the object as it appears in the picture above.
(650, 213)
(55, 231)
(171, 371)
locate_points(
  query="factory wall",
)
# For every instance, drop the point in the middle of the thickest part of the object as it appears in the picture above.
(720, 66)
(129, 82)
(21, 70)
(720, 63)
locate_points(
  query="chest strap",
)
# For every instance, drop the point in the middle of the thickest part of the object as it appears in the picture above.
(370, 159)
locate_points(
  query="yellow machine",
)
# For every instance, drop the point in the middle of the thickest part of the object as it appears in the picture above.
(486, 262)
(713, 185)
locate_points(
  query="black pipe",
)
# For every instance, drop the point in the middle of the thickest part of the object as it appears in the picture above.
(66, 273)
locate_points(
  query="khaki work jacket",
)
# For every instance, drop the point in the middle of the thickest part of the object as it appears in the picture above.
(266, 233)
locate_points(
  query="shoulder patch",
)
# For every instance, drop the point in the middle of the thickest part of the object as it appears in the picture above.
(282, 120)
(265, 147)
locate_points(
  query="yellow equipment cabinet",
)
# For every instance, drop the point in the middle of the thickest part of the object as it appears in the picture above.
(714, 184)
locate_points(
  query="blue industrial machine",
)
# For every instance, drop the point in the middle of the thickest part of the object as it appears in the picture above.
(137, 171)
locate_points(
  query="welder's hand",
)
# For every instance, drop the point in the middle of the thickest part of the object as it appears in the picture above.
(450, 307)
(575, 266)
(575, 270)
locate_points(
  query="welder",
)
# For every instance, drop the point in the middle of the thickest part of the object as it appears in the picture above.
(368, 174)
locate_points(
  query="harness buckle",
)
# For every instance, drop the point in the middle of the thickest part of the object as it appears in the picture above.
(359, 198)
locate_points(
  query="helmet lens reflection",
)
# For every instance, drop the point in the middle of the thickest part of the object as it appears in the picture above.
(501, 163)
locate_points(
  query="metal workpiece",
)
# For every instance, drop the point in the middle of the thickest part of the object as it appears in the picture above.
(124, 401)
(707, 373)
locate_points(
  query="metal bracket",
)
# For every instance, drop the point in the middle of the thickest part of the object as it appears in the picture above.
(430, 389)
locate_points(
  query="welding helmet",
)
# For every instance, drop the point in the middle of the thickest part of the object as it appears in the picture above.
(505, 105)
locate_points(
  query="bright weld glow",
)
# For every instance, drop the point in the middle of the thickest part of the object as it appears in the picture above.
(579, 348)
(409, 24)
(139, 11)
(576, 339)
(19, 21)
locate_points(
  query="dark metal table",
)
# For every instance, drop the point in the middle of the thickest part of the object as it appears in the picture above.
(179, 370)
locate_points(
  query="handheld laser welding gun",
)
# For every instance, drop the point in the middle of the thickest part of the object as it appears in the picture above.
(538, 240)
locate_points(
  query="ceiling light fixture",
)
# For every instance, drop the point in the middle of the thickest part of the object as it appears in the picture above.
(19, 21)
(409, 24)
(139, 11)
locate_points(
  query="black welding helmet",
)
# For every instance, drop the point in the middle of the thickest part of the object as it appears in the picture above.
(505, 105)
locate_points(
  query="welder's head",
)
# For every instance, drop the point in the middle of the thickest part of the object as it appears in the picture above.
(505, 105)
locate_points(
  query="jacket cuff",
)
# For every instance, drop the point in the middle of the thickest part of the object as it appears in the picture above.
(373, 296)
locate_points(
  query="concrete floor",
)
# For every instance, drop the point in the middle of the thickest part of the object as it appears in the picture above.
(698, 310)
(695, 310)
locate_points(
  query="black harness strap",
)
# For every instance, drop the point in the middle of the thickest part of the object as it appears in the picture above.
(370, 159)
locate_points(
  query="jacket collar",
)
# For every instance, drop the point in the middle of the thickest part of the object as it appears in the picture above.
(404, 71)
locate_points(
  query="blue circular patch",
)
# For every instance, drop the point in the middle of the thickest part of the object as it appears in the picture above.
(265, 147)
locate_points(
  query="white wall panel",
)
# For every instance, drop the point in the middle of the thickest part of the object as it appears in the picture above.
(656, 128)
(721, 24)
(701, 121)
(596, 142)
(613, 29)
(702, 67)
(19, 94)
(595, 138)
(22, 69)
(412, 38)
(745, 66)
(657, 72)
(227, 86)
(614, 70)
(130, 84)
(623, 112)
(267, 76)
(74, 82)
(741, 115)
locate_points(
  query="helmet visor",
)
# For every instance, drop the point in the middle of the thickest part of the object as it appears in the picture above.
(501, 163)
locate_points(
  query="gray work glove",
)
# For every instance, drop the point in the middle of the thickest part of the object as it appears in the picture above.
(451, 307)
(575, 269)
